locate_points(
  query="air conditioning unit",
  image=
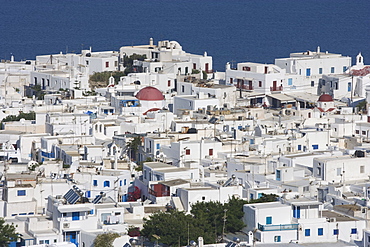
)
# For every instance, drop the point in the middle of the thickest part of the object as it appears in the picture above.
(65, 225)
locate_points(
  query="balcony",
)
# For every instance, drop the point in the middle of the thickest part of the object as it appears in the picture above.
(283, 227)
(276, 89)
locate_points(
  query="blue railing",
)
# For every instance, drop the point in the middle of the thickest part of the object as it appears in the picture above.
(282, 227)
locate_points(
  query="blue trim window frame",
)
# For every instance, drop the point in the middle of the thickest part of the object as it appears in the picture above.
(320, 231)
(307, 232)
(336, 232)
(21, 192)
(354, 231)
(95, 182)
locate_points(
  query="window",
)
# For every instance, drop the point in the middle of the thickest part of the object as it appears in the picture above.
(106, 184)
(307, 232)
(290, 81)
(357, 132)
(124, 182)
(182, 88)
(21, 192)
(278, 175)
(268, 220)
(332, 70)
(300, 72)
(354, 231)
(320, 71)
(315, 146)
(318, 171)
(308, 72)
(158, 145)
(245, 68)
(344, 68)
(320, 231)
(187, 151)
(203, 198)
(339, 171)
(106, 64)
(277, 239)
(88, 194)
(299, 147)
(363, 132)
(349, 87)
(169, 83)
(41, 241)
(95, 182)
(336, 232)
(312, 83)
(210, 152)
(260, 83)
(47, 241)
(362, 169)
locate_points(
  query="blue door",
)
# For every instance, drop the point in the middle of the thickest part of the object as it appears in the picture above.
(297, 212)
(72, 237)
(76, 216)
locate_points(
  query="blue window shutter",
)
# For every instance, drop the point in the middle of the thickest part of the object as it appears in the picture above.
(320, 231)
(308, 72)
(299, 147)
(95, 182)
(307, 232)
(21, 192)
(268, 220)
(290, 81)
(88, 194)
(315, 146)
(106, 184)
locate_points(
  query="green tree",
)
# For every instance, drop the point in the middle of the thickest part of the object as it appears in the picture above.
(171, 227)
(362, 106)
(105, 239)
(128, 62)
(265, 198)
(132, 147)
(7, 233)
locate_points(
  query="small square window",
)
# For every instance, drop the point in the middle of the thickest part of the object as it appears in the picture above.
(277, 239)
(187, 151)
(203, 198)
(336, 232)
(307, 232)
(95, 182)
(21, 192)
(354, 231)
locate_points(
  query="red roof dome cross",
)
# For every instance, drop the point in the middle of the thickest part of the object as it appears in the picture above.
(150, 94)
(325, 98)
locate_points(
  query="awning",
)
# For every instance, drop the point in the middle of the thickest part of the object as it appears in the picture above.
(71, 208)
(281, 97)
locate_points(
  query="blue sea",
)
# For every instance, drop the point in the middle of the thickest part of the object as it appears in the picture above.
(229, 30)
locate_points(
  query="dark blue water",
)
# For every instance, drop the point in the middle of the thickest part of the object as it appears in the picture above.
(229, 30)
